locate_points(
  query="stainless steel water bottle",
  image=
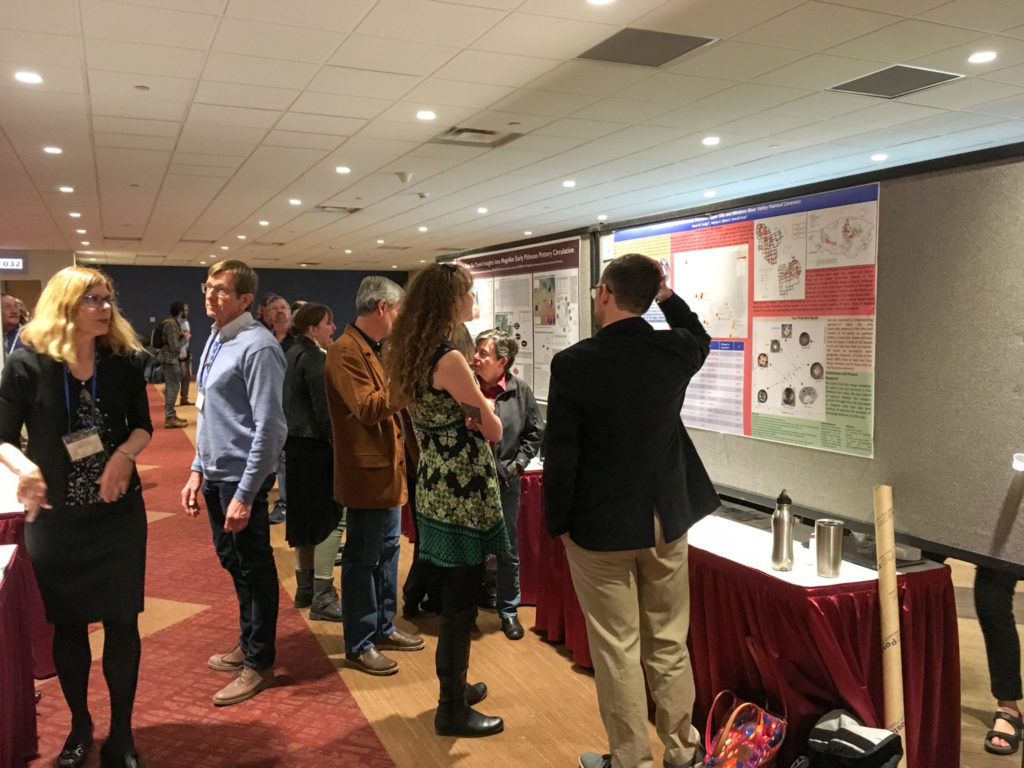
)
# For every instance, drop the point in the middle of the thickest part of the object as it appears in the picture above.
(782, 534)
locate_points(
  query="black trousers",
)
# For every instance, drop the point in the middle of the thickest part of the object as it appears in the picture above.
(993, 601)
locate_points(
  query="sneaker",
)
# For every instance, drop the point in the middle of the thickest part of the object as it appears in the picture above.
(278, 513)
(232, 661)
(594, 760)
(246, 684)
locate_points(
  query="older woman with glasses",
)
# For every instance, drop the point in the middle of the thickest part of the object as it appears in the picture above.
(78, 388)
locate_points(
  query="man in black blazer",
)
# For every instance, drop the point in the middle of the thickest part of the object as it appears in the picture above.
(622, 485)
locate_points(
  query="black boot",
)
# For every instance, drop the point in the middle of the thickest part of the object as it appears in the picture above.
(326, 606)
(454, 716)
(303, 588)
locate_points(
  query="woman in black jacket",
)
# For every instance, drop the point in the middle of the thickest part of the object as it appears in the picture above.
(313, 522)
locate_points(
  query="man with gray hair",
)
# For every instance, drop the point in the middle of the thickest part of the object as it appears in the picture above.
(371, 439)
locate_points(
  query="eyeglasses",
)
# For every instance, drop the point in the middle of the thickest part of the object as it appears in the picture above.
(220, 290)
(97, 300)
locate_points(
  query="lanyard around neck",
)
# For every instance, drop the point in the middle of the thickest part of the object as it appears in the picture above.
(67, 393)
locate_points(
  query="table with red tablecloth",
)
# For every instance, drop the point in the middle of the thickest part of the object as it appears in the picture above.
(812, 648)
(18, 742)
(12, 531)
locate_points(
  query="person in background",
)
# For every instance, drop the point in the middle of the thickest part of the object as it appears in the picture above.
(169, 356)
(372, 446)
(993, 602)
(239, 435)
(458, 507)
(185, 356)
(521, 436)
(313, 525)
(276, 315)
(12, 324)
(78, 388)
(622, 485)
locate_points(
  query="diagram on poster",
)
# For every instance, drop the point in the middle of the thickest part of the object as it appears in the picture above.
(780, 251)
(789, 367)
(843, 236)
(713, 281)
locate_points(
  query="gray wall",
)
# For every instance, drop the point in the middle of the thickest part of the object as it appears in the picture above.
(949, 371)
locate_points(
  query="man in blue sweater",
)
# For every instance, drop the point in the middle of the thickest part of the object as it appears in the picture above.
(240, 432)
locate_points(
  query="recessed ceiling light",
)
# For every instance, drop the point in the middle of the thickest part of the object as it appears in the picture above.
(709, 193)
(32, 78)
(481, 210)
(66, 189)
(343, 169)
(380, 242)
(295, 201)
(425, 114)
(52, 150)
(75, 215)
(568, 183)
(86, 242)
(422, 229)
(982, 57)
(348, 250)
(223, 247)
(528, 232)
(80, 231)
(240, 237)
(264, 223)
(710, 141)
(879, 157)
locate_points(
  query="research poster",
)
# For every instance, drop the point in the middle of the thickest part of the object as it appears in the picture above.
(533, 293)
(786, 290)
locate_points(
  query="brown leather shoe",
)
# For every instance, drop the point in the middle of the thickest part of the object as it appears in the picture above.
(175, 423)
(246, 684)
(232, 661)
(398, 641)
(372, 662)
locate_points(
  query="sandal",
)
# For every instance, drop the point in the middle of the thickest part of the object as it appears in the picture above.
(1012, 739)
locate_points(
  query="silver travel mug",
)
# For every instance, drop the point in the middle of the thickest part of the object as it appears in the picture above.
(828, 536)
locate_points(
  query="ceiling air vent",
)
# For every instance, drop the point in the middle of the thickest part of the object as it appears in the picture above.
(474, 137)
(336, 209)
(644, 47)
(893, 82)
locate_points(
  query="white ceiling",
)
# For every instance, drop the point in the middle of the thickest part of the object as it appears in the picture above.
(253, 102)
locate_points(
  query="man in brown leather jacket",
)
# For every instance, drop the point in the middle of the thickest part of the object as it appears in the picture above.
(371, 443)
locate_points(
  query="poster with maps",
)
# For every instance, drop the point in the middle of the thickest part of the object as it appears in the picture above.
(786, 290)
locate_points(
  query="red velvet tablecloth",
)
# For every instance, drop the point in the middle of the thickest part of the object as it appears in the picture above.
(820, 644)
(18, 742)
(12, 531)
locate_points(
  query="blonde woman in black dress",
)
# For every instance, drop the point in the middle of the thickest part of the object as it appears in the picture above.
(78, 388)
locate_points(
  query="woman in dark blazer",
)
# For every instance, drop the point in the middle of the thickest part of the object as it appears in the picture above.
(78, 388)
(313, 522)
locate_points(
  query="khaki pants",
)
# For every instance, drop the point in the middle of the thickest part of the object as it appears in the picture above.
(637, 606)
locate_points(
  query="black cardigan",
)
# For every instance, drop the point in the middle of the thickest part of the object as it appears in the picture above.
(32, 394)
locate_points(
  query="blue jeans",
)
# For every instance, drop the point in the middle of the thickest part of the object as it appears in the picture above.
(249, 558)
(508, 561)
(369, 576)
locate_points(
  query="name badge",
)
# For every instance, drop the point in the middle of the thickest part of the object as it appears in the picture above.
(83, 444)
(200, 399)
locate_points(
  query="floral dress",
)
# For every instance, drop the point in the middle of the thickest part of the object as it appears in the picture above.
(458, 505)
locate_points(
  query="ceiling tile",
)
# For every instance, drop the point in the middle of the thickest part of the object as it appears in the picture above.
(987, 15)
(139, 24)
(251, 38)
(387, 55)
(339, 106)
(34, 49)
(422, 21)
(316, 14)
(495, 68)
(258, 70)
(116, 56)
(363, 82)
(816, 26)
(236, 95)
(531, 35)
(320, 124)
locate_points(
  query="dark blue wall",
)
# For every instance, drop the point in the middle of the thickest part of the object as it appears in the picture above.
(145, 292)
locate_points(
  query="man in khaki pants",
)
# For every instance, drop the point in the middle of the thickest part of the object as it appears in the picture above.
(622, 485)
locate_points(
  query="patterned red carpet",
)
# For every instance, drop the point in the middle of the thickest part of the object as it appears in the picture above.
(308, 719)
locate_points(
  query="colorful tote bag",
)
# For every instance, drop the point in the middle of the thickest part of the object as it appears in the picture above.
(741, 734)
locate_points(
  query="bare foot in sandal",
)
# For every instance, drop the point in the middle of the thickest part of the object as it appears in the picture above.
(1007, 726)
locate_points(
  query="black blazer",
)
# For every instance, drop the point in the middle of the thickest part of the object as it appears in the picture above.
(305, 396)
(615, 448)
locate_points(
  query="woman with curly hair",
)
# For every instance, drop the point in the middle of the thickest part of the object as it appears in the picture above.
(458, 506)
(78, 388)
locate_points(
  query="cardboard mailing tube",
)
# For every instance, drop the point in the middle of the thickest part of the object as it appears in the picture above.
(888, 601)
